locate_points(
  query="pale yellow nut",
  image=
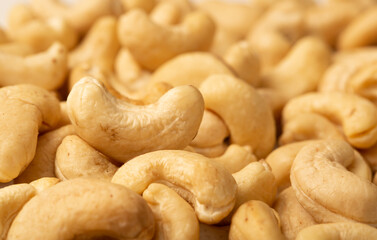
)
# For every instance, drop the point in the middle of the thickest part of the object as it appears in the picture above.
(327, 190)
(206, 185)
(213, 232)
(166, 13)
(370, 156)
(43, 163)
(293, 217)
(12, 199)
(190, 68)
(146, 5)
(223, 40)
(211, 152)
(122, 130)
(84, 208)
(138, 33)
(75, 158)
(175, 218)
(344, 231)
(246, 114)
(25, 110)
(255, 220)
(275, 100)
(356, 115)
(46, 69)
(64, 119)
(16, 48)
(44, 183)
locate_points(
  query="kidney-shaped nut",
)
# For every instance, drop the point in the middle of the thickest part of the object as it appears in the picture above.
(44, 183)
(356, 115)
(25, 110)
(327, 190)
(246, 114)
(122, 130)
(175, 218)
(152, 44)
(208, 186)
(12, 199)
(46, 69)
(96, 209)
(75, 158)
(341, 230)
(255, 220)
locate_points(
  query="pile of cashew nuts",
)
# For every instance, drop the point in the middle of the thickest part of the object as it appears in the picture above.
(189, 120)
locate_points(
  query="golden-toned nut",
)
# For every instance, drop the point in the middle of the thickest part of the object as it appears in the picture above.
(146, 5)
(208, 186)
(175, 218)
(138, 33)
(166, 13)
(25, 110)
(16, 48)
(212, 152)
(347, 231)
(12, 199)
(46, 69)
(370, 156)
(64, 119)
(122, 130)
(293, 217)
(255, 220)
(75, 158)
(44, 183)
(246, 114)
(301, 70)
(43, 162)
(223, 40)
(275, 100)
(99, 47)
(96, 209)
(356, 115)
(322, 184)
(213, 232)
(25, 27)
(190, 69)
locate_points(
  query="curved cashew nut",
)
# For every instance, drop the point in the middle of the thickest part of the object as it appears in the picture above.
(356, 115)
(75, 158)
(341, 230)
(208, 186)
(122, 130)
(245, 112)
(212, 152)
(195, 33)
(319, 169)
(43, 162)
(255, 220)
(120, 213)
(12, 199)
(46, 69)
(175, 218)
(44, 183)
(24, 110)
(166, 13)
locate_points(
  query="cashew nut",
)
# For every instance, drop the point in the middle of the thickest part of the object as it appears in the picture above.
(212, 152)
(206, 185)
(44, 183)
(16, 48)
(146, 5)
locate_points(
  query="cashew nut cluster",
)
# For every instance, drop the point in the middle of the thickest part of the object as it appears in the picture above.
(189, 119)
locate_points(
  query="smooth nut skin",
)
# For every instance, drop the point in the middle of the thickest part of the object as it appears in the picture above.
(46, 69)
(84, 208)
(12, 199)
(236, 158)
(122, 130)
(43, 162)
(246, 114)
(208, 186)
(152, 44)
(75, 158)
(212, 152)
(25, 110)
(356, 115)
(255, 220)
(344, 231)
(175, 218)
(327, 190)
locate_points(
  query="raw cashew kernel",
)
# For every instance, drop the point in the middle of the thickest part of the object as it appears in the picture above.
(122, 130)
(206, 185)
(212, 152)
(44, 183)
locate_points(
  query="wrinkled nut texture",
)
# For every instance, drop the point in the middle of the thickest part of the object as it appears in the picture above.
(255, 220)
(12, 199)
(138, 33)
(206, 185)
(327, 190)
(96, 209)
(236, 157)
(174, 217)
(356, 115)
(75, 158)
(46, 69)
(25, 110)
(43, 162)
(122, 130)
(246, 114)
(44, 183)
